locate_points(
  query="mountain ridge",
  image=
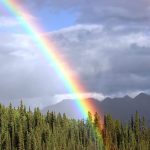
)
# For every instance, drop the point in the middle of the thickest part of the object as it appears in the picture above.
(120, 107)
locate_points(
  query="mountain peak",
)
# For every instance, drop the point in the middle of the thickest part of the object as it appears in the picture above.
(141, 95)
(127, 97)
(119, 107)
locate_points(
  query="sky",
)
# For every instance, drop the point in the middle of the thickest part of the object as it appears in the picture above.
(106, 43)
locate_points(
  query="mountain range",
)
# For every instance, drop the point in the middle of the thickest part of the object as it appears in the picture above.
(120, 108)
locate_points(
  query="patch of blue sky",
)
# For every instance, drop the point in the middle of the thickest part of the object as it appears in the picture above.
(52, 21)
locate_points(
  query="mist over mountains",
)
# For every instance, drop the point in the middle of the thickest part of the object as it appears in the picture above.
(120, 107)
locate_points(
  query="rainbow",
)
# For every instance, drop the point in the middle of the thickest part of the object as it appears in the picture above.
(62, 69)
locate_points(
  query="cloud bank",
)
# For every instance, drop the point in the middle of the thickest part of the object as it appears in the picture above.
(108, 61)
(108, 47)
(110, 12)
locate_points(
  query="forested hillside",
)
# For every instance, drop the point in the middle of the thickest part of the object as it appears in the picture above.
(22, 129)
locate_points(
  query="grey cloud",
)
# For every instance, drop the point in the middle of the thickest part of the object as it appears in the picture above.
(109, 50)
(115, 11)
(24, 71)
(110, 12)
(107, 61)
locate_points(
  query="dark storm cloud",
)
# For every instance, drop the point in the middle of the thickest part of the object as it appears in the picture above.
(115, 11)
(101, 11)
(107, 61)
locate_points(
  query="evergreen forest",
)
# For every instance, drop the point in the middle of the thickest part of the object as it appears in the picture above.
(23, 129)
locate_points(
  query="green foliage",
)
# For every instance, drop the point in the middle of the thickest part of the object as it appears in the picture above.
(132, 136)
(26, 130)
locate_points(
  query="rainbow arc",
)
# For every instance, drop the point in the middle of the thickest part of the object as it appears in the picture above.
(52, 55)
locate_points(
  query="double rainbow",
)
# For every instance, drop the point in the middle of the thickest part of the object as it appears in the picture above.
(62, 69)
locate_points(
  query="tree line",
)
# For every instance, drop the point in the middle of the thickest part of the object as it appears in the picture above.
(23, 129)
(134, 135)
